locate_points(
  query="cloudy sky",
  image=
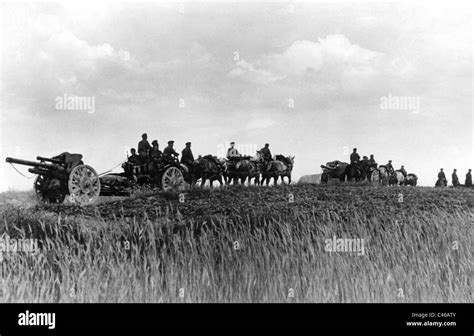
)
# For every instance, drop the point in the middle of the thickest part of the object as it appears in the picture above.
(309, 78)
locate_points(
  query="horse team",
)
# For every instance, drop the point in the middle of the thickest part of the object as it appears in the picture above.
(238, 169)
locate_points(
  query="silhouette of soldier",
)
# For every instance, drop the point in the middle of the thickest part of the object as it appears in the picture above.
(468, 182)
(155, 153)
(266, 154)
(144, 147)
(169, 153)
(187, 155)
(455, 179)
(354, 156)
(372, 162)
(403, 171)
(232, 153)
(134, 159)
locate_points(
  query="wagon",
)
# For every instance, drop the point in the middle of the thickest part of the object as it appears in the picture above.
(67, 175)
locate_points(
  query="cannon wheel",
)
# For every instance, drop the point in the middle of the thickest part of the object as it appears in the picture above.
(48, 190)
(172, 180)
(84, 185)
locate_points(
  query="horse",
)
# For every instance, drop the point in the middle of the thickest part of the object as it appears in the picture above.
(355, 171)
(380, 175)
(188, 174)
(399, 178)
(208, 168)
(411, 180)
(280, 167)
(247, 168)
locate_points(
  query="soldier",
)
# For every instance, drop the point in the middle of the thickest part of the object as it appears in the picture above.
(155, 153)
(441, 175)
(403, 171)
(169, 153)
(455, 179)
(354, 156)
(390, 167)
(144, 147)
(372, 162)
(468, 182)
(134, 159)
(265, 151)
(232, 152)
(365, 163)
(187, 155)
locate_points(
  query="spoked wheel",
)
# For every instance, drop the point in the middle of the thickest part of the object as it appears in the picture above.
(375, 176)
(172, 180)
(49, 190)
(84, 185)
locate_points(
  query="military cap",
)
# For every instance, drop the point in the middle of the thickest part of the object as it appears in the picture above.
(170, 142)
(188, 143)
(154, 142)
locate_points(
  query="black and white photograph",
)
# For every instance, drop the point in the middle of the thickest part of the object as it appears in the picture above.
(236, 152)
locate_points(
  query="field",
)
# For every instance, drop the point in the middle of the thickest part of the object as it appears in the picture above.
(244, 244)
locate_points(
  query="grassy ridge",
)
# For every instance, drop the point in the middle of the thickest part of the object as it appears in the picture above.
(246, 245)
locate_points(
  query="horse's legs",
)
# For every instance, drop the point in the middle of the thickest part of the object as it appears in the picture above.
(203, 181)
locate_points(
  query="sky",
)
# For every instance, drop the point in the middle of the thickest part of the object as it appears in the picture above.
(312, 79)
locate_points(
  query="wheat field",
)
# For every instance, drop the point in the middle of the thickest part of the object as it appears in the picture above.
(244, 244)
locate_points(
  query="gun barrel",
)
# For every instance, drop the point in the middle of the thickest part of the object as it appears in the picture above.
(41, 158)
(33, 163)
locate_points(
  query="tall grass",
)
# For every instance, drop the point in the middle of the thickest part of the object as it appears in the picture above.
(246, 245)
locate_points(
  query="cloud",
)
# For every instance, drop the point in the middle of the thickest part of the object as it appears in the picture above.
(334, 55)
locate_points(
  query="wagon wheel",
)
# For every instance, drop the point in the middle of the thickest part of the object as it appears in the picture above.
(84, 185)
(48, 190)
(172, 180)
(375, 176)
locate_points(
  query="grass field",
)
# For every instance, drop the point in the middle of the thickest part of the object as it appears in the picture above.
(244, 244)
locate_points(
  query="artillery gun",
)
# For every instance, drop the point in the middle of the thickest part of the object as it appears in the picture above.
(61, 175)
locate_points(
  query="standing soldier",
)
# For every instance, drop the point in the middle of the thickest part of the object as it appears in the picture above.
(468, 182)
(144, 147)
(187, 155)
(354, 156)
(169, 153)
(442, 177)
(455, 179)
(265, 151)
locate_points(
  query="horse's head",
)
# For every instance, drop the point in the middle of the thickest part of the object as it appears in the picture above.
(258, 156)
